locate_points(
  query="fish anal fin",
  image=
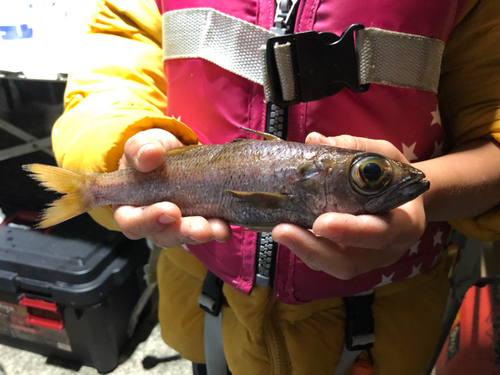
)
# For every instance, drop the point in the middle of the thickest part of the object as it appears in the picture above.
(261, 199)
(267, 136)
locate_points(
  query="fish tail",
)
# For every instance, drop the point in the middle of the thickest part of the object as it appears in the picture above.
(69, 183)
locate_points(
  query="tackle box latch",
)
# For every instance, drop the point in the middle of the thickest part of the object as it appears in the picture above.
(42, 313)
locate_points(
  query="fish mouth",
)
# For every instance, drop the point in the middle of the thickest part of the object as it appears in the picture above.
(401, 194)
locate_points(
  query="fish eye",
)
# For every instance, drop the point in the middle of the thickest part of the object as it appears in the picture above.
(371, 174)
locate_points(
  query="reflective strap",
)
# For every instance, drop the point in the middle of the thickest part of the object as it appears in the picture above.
(265, 81)
(227, 41)
(346, 360)
(214, 349)
(399, 59)
(359, 328)
(384, 57)
(285, 69)
(210, 300)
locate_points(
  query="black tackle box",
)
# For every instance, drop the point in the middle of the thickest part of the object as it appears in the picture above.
(69, 291)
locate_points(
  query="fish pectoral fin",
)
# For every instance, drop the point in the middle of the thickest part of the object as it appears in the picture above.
(261, 199)
(180, 150)
(267, 136)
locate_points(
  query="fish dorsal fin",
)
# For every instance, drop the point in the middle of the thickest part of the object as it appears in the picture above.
(261, 199)
(180, 150)
(267, 136)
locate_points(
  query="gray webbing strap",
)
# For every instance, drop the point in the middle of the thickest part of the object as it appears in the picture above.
(285, 69)
(227, 41)
(214, 349)
(360, 329)
(210, 300)
(399, 59)
(346, 360)
(385, 57)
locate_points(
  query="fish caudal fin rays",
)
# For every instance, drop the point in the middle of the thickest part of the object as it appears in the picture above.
(69, 183)
(261, 199)
(267, 136)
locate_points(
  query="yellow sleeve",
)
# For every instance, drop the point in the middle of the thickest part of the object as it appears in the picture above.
(469, 93)
(117, 90)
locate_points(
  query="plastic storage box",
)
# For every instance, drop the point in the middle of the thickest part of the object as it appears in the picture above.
(69, 292)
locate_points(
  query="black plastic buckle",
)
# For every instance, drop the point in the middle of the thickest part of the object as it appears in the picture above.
(323, 64)
(359, 324)
(211, 296)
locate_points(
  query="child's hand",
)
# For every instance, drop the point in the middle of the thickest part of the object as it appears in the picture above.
(162, 222)
(344, 245)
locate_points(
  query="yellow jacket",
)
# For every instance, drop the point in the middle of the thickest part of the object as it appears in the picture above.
(119, 91)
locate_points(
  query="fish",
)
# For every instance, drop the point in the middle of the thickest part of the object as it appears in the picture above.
(254, 184)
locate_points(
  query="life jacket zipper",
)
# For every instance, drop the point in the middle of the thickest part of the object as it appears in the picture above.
(279, 357)
(284, 16)
(276, 124)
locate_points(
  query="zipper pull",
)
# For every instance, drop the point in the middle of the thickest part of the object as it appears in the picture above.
(284, 11)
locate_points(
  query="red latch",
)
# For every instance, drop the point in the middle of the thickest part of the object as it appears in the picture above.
(42, 313)
(34, 320)
(28, 219)
(37, 303)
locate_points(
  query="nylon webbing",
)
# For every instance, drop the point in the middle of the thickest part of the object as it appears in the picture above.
(227, 41)
(214, 348)
(285, 69)
(385, 57)
(346, 360)
(399, 59)
(210, 300)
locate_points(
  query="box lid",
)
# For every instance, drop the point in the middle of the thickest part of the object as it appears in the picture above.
(76, 264)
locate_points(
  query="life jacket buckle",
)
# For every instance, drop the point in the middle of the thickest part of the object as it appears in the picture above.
(211, 296)
(308, 66)
(360, 324)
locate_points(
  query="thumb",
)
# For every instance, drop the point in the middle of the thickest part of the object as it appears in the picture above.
(145, 151)
(358, 143)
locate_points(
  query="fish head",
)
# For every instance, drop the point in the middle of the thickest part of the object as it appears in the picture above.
(375, 184)
(382, 184)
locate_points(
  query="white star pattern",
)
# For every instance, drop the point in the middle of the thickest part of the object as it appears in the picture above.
(386, 280)
(409, 152)
(437, 237)
(415, 271)
(438, 150)
(414, 248)
(436, 116)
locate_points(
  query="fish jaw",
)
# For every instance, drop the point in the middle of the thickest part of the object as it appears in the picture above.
(399, 195)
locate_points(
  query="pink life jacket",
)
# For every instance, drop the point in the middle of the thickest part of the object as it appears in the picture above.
(212, 101)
